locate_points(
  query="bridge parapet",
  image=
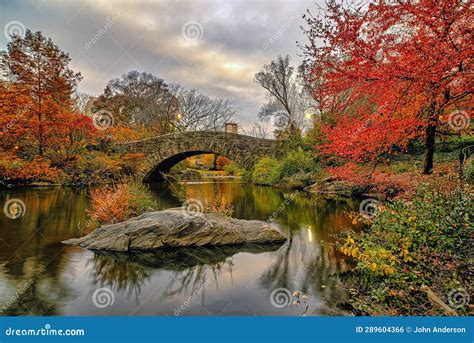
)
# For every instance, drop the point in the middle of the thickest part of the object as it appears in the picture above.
(162, 152)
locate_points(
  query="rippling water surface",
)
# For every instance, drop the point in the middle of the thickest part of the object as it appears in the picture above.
(41, 276)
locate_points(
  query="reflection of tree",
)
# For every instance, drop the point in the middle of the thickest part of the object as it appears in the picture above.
(192, 278)
(189, 266)
(39, 285)
(52, 215)
(30, 301)
(118, 273)
(306, 266)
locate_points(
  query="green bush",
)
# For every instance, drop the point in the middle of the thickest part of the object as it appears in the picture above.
(409, 245)
(296, 162)
(300, 180)
(469, 170)
(297, 169)
(233, 169)
(140, 199)
(264, 171)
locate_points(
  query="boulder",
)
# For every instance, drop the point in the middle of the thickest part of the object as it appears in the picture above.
(175, 228)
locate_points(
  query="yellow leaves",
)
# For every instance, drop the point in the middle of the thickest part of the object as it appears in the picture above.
(349, 248)
(410, 219)
(355, 252)
(403, 252)
(349, 251)
(373, 266)
(388, 270)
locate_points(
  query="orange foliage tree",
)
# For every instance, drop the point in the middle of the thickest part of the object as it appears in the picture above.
(36, 112)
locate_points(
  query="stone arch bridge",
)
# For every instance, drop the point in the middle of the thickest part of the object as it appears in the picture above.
(163, 152)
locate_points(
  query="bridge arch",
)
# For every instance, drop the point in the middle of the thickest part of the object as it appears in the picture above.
(163, 152)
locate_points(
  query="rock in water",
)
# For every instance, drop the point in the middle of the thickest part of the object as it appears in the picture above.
(174, 228)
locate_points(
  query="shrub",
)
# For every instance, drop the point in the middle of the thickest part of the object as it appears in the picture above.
(410, 244)
(233, 169)
(16, 170)
(264, 171)
(119, 203)
(297, 169)
(469, 170)
(222, 162)
(297, 162)
(131, 163)
(221, 207)
(300, 180)
(93, 168)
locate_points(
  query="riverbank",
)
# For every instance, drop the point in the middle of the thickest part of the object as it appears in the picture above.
(414, 257)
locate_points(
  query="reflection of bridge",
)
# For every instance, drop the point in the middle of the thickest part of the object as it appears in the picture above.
(163, 152)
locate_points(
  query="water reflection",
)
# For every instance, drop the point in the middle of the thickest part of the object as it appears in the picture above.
(40, 276)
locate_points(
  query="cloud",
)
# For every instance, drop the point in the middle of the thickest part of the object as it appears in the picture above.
(108, 38)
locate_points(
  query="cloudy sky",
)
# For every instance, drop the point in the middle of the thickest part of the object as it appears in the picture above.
(215, 46)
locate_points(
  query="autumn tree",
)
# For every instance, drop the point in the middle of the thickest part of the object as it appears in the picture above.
(403, 66)
(40, 74)
(139, 99)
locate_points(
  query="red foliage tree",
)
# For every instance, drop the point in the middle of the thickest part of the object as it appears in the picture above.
(222, 162)
(396, 67)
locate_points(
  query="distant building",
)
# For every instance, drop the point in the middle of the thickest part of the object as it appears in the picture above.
(231, 127)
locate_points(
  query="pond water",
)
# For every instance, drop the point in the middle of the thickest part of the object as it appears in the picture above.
(41, 276)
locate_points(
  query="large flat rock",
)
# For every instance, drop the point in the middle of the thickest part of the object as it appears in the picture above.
(174, 228)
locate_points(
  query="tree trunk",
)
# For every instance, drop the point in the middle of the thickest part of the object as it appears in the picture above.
(429, 148)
